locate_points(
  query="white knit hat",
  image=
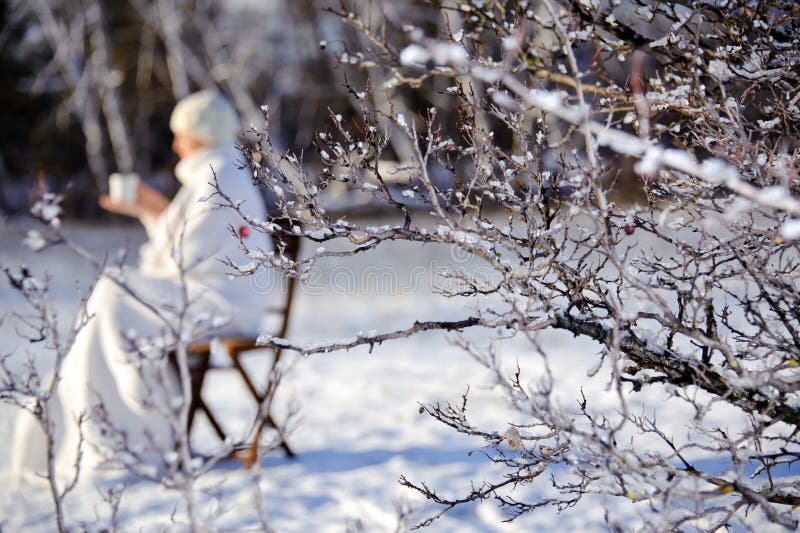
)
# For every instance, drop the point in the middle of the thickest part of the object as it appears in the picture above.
(206, 116)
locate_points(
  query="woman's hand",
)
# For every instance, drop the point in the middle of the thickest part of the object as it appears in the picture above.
(149, 202)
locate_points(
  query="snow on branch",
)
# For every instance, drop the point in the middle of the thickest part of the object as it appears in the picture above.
(714, 171)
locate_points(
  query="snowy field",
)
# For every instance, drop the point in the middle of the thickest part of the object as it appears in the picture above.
(359, 427)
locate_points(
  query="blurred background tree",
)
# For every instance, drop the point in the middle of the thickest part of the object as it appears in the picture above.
(88, 85)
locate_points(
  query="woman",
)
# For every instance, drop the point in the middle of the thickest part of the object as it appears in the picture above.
(116, 375)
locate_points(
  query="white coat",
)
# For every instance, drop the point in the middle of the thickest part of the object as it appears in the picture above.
(115, 374)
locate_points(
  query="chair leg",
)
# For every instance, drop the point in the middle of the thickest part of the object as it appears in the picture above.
(284, 445)
(234, 355)
(197, 374)
(249, 455)
(252, 453)
(198, 371)
(214, 424)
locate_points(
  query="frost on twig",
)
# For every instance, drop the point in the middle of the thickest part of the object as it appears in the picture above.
(656, 217)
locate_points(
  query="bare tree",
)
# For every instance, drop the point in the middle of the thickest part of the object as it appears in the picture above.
(119, 67)
(690, 289)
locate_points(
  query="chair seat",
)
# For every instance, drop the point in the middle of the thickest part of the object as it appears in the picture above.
(238, 343)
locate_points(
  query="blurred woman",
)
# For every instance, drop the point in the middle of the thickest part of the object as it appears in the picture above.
(118, 399)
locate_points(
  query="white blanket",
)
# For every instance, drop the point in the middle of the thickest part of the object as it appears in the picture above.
(116, 377)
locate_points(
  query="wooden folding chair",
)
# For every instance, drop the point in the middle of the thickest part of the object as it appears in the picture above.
(199, 360)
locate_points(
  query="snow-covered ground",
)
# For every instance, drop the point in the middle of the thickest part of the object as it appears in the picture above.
(359, 428)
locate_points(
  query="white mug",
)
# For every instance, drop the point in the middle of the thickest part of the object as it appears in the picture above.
(123, 187)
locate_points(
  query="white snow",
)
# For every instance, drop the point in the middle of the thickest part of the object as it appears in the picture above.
(768, 124)
(414, 54)
(440, 52)
(47, 208)
(486, 74)
(359, 428)
(790, 230)
(651, 162)
(34, 240)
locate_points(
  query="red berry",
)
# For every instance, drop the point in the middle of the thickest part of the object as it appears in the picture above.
(244, 231)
